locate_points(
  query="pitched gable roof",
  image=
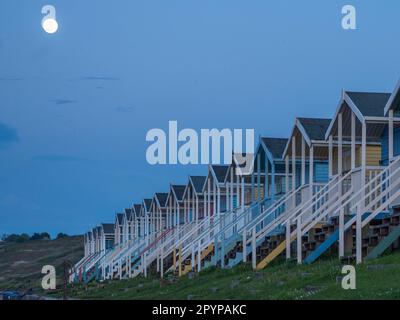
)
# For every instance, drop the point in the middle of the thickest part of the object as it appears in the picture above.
(198, 183)
(108, 227)
(370, 104)
(128, 213)
(179, 190)
(276, 146)
(162, 198)
(147, 204)
(394, 100)
(119, 218)
(137, 209)
(220, 171)
(315, 127)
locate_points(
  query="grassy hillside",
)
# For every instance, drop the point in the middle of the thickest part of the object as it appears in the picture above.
(378, 279)
(21, 263)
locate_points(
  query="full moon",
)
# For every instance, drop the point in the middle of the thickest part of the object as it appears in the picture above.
(50, 25)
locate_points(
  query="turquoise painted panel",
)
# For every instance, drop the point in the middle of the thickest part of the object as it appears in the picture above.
(321, 172)
(385, 145)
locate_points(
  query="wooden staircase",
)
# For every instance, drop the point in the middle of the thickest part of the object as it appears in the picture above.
(380, 234)
(187, 264)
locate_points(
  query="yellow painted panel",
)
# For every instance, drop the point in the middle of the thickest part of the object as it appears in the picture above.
(256, 191)
(373, 155)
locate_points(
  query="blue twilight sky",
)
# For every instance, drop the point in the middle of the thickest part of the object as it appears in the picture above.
(75, 106)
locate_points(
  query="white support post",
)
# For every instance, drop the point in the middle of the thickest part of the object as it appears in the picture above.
(288, 240)
(144, 265)
(340, 144)
(176, 219)
(303, 161)
(237, 191)
(194, 211)
(360, 208)
(193, 256)
(253, 249)
(353, 141)
(330, 156)
(293, 163)
(189, 206)
(299, 241)
(199, 256)
(242, 193)
(231, 189)
(218, 201)
(215, 199)
(167, 218)
(244, 240)
(341, 233)
(237, 199)
(178, 215)
(258, 178)
(390, 136)
(208, 197)
(359, 234)
(197, 208)
(311, 170)
(204, 205)
(287, 175)
(266, 179)
(184, 211)
(162, 261)
(160, 219)
(253, 199)
(171, 213)
(227, 202)
(363, 155)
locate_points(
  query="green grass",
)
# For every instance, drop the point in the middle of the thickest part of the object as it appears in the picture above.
(21, 263)
(378, 279)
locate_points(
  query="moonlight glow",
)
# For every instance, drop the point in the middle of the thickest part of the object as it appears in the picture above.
(50, 25)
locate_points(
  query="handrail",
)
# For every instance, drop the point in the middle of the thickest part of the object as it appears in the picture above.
(261, 216)
(308, 204)
(311, 221)
(389, 177)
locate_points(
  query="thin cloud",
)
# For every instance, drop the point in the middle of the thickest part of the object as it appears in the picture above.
(57, 158)
(124, 109)
(8, 135)
(63, 101)
(94, 78)
(10, 79)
